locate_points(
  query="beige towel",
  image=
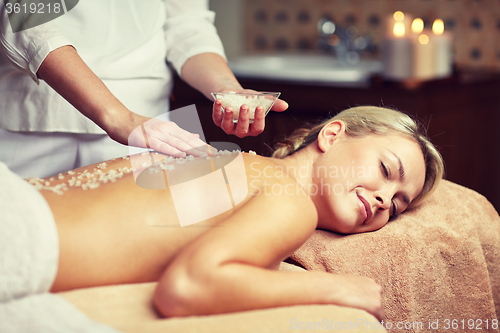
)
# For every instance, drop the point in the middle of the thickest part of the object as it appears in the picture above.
(439, 264)
(129, 309)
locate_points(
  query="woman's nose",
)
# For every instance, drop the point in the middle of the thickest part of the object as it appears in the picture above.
(384, 197)
(382, 201)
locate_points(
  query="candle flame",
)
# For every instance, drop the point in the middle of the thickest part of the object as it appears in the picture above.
(399, 29)
(438, 27)
(423, 39)
(399, 16)
(417, 26)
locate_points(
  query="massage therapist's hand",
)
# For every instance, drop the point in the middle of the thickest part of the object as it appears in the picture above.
(243, 127)
(163, 136)
(65, 71)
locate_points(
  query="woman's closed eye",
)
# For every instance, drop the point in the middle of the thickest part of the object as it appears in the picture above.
(394, 206)
(394, 210)
(384, 170)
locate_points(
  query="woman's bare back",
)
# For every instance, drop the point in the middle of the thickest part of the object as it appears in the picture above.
(113, 231)
(117, 232)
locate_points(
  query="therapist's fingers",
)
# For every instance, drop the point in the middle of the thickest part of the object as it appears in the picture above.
(177, 147)
(164, 148)
(217, 112)
(259, 122)
(279, 106)
(227, 123)
(167, 137)
(242, 127)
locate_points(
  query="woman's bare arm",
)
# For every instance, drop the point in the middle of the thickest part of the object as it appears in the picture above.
(228, 268)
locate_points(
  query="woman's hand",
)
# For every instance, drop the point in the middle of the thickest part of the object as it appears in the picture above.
(243, 127)
(354, 291)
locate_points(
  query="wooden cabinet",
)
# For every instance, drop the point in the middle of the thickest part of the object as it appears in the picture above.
(462, 115)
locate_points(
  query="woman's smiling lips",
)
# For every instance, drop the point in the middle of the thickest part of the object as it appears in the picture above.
(365, 208)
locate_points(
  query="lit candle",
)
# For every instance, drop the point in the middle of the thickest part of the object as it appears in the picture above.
(442, 41)
(397, 49)
(423, 51)
(417, 26)
(424, 58)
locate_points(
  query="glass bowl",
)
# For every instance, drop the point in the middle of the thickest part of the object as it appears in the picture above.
(236, 100)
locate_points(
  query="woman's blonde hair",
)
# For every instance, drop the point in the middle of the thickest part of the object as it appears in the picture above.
(364, 120)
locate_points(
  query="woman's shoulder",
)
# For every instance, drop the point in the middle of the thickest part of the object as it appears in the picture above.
(267, 169)
(271, 176)
(274, 186)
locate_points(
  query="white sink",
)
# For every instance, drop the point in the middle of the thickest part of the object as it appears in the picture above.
(308, 69)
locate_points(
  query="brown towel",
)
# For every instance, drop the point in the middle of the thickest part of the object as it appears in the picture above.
(439, 264)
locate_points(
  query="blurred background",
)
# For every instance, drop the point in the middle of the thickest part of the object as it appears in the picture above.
(327, 55)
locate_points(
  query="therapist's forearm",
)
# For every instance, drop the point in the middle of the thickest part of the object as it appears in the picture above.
(209, 72)
(67, 73)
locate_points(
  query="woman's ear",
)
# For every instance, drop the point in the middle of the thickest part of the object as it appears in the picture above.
(330, 133)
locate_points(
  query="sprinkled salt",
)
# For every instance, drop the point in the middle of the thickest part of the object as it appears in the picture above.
(33, 180)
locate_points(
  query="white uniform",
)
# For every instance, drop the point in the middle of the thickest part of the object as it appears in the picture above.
(126, 43)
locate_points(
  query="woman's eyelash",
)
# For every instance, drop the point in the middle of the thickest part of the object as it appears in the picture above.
(394, 210)
(386, 173)
(384, 168)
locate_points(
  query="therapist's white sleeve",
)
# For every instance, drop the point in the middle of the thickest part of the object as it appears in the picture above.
(27, 49)
(190, 31)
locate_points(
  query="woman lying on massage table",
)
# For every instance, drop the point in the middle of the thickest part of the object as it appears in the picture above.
(350, 174)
